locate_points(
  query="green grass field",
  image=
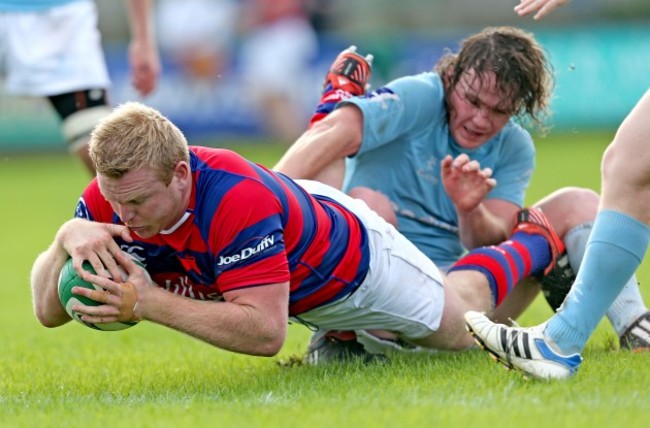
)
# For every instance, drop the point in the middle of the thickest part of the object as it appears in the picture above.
(149, 376)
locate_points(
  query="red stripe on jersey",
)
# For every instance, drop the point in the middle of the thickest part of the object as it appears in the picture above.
(343, 274)
(318, 248)
(323, 294)
(244, 205)
(186, 238)
(295, 221)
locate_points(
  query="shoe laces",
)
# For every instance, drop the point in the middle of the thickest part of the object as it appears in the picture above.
(513, 335)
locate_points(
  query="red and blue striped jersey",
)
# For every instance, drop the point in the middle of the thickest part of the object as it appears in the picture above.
(247, 226)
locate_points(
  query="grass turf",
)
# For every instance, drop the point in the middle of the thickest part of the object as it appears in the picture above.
(152, 376)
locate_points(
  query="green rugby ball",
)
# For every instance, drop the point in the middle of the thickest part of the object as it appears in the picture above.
(69, 278)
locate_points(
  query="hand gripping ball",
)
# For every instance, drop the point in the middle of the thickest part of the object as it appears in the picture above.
(69, 278)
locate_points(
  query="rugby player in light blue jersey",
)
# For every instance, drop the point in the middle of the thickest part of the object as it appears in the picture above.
(441, 155)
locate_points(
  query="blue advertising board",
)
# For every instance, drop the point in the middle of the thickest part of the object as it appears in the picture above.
(600, 74)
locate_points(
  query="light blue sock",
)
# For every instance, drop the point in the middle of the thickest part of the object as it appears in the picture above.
(615, 249)
(629, 305)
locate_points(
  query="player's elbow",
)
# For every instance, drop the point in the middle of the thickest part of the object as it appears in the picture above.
(270, 341)
(49, 313)
(271, 345)
(263, 349)
(269, 349)
(262, 343)
(49, 320)
(43, 319)
(48, 323)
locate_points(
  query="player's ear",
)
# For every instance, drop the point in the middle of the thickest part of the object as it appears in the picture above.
(182, 175)
(448, 77)
(182, 170)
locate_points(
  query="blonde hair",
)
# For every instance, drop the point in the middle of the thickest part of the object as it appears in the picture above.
(134, 136)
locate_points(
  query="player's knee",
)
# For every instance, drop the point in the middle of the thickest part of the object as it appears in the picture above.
(377, 201)
(78, 126)
(578, 199)
(625, 173)
(569, 207)
(80, 111)
(616, 163)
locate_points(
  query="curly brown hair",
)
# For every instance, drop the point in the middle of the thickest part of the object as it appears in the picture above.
(519, 63)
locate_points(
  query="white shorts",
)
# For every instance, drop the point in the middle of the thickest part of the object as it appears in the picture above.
(403, 291)
(54, 51)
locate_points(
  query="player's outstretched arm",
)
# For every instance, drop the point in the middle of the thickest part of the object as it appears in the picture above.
(542, 7)
(251, 321)
(322, 149)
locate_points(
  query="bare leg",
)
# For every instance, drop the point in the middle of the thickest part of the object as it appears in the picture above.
(569, 207)
(620, 236)
(464, 290)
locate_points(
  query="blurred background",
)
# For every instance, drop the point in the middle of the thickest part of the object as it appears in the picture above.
(229, 75)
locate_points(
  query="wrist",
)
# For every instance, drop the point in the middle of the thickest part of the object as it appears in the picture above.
(62, 235)
(470, 211)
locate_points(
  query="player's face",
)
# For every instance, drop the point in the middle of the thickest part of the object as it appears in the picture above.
(145, 203)
(477, 110)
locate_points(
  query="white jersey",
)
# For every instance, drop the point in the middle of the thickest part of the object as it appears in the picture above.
(51, 50)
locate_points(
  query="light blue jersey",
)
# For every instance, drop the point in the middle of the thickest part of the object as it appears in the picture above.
(405, 137)
(30, 5)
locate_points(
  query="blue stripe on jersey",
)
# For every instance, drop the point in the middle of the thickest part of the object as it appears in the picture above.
(337, 246)
(249, 245)
(162, 259)
(339, 234)
(261, 239)
(309, 223)
(271, 181)
(81, 210)
(206, 177)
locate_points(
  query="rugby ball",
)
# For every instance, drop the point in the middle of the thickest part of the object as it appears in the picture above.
(69, 278)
